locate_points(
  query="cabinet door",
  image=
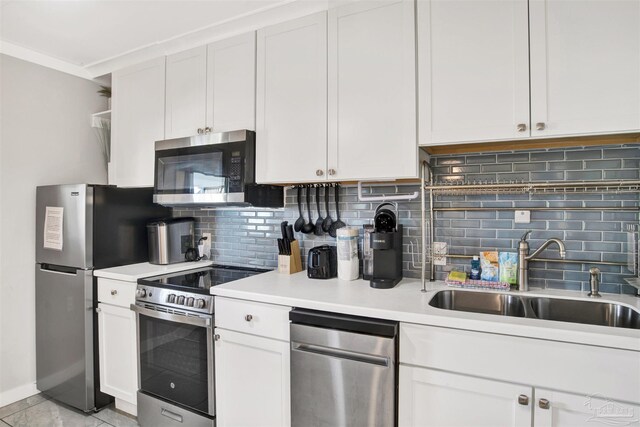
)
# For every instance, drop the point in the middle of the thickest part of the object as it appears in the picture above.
(291, 101)
(117, 352)
(186, 92)
(372, 98)
(231, 83)
(137, 122)
(557, 409)
(252, 380)
(473, 63)
(436, 398)
(585, 66)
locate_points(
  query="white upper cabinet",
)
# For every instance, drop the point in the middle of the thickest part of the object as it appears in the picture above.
(137, 122)
(186, 92)
(291, 101)
(231, 84)
(473, 63)
(371, 91)
(585, 66)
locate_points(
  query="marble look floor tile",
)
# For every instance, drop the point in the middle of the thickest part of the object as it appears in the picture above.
(114, 418)
(50, 414)
(5, 411)
(3, 424)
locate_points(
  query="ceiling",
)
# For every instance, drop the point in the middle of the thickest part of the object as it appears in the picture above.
(85, 33)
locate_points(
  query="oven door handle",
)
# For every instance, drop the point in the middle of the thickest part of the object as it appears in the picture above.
(196, 321)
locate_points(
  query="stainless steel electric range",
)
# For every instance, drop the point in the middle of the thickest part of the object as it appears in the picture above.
(175, 324)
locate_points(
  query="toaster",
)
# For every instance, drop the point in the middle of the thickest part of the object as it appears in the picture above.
(170, 239)
(322, 262)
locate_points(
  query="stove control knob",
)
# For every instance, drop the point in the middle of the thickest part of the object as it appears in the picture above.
(180, 300)
(200, 303)
(190, 302)
(171, 298)
(141, 293)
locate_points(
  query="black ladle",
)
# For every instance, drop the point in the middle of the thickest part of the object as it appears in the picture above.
(300, 221)
(318, 231)
(326, 224)
(308, 227)
(338, 224)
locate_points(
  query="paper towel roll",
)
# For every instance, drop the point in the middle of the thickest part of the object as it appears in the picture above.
(348, 263)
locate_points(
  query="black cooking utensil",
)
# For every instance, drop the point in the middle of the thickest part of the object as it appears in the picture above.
(300, 221)
(308, 227)
(326, 224)
(338, 223)
(318, 231)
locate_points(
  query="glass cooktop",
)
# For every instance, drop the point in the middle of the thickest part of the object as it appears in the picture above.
(201, 279)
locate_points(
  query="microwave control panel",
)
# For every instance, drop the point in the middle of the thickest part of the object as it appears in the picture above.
(235, 173)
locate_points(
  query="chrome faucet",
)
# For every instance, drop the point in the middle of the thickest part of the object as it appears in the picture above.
(594, 282)
(524, 258)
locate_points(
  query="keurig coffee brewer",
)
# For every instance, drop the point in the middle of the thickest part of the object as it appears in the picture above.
(386, 244)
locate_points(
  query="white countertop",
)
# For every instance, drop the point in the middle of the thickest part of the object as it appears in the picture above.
(406, 303)
(133, 272)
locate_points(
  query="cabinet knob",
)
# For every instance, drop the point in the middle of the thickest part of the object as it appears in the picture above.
(319, 172)
(248, 317)
(522, 127)
(114, 292)
(523, 400)
(332, 172)
(544, 403)
(540, 126)
(207, 130)
(216, 337)
(98, 309)
(200, 131)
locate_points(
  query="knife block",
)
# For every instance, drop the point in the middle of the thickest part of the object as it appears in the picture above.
(289, 264)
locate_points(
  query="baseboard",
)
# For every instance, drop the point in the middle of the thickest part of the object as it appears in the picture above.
(17, 393)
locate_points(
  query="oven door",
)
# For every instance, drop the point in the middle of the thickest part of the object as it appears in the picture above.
(175, 357)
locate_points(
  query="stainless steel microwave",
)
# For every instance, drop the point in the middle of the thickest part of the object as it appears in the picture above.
(208, 170)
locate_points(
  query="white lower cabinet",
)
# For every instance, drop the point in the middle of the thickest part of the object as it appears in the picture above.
(252, 371)
(434, 398)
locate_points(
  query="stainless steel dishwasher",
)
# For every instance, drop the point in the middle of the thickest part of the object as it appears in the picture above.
(343, 370)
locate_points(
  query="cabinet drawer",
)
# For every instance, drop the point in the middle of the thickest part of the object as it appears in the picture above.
(266, 320)
(116, 292)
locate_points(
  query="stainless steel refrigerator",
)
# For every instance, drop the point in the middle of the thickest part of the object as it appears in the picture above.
(79, 228)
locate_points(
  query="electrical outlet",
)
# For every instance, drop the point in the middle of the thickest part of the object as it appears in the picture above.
(207, 245)
(440, 253)
(523, 217)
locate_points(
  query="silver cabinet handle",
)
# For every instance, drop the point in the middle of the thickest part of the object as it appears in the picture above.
(207, 129)
(216, 337)
(540, 126)
(523, 400)
(200, 131)
(248, 318)
(114, 292)
(544, 403)
(332, 172)
(319, 172)
(522, 127)
(171, 415)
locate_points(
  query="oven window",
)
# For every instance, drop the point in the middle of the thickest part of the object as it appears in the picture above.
(191, 174)
(173, 362)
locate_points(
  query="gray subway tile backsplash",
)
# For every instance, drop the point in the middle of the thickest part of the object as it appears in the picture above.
(248, 236)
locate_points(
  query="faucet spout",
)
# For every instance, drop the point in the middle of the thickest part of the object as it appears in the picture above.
(545, 245)
(524, 258)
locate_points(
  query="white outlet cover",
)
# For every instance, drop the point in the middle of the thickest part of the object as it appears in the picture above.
(207, 245)
(440, 253)
(523, 217)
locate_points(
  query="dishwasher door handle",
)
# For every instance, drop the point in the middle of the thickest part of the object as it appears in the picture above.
(341, 354)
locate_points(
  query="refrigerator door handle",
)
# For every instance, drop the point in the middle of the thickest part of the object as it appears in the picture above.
(71, 271)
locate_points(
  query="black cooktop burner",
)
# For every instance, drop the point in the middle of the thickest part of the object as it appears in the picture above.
(200, 280)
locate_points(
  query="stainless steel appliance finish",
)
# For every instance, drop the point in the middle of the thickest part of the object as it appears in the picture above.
(158, 413)
(102, 226)
(556, 309)
(204, 139)
(340, 377)
(169, 240)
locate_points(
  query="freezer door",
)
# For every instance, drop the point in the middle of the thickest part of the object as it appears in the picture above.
(64, 336)
(77, 235)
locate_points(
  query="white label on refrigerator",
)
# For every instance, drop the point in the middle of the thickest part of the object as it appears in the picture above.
(53, 228)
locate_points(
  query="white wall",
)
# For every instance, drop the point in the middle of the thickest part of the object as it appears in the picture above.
(45, 138)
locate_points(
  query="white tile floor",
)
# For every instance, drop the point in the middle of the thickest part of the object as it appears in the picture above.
(39, 411)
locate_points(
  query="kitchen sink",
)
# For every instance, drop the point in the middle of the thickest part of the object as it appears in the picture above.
(586, 312)
(560, 310)
(479, 302)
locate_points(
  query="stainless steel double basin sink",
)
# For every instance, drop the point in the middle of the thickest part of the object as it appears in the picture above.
(562, 310)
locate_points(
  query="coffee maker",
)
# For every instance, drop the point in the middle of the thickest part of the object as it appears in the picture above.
(386, 245)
